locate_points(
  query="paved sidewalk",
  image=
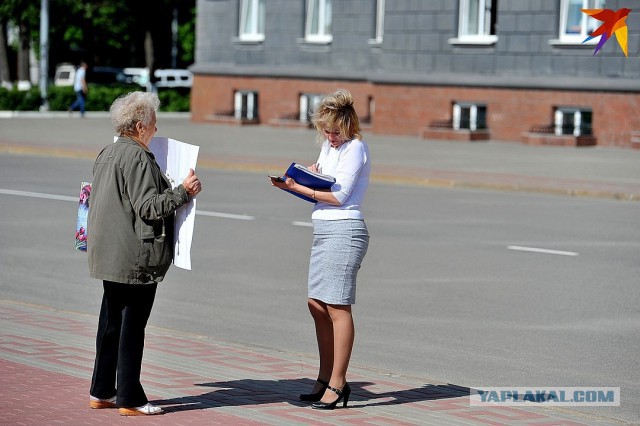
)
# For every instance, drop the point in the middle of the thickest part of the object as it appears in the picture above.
(590, 171)
(46, 358)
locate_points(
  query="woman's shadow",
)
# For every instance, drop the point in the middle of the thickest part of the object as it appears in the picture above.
(236, 393)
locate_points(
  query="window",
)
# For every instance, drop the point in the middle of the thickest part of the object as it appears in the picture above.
(575, 25)
(245, 105)
(251, 20)
(477, 21)
(469, 116)
(318, 26)
(379, 24)
(308, 102)
(572, 121)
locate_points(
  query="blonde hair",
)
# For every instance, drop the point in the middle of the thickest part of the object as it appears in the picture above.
(131, 108)
(336, 110)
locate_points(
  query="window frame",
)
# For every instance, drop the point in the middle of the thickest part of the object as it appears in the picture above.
(486, 23)
(307, 103)
(325, 12)
(252, 14)
(474, 123)
(379, 23)
(563, 37)
(582, 119)
(250, 112)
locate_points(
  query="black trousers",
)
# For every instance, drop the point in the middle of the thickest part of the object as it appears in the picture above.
(120, 342)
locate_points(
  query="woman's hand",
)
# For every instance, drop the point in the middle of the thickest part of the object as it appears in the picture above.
(192, 184)
(288, 183)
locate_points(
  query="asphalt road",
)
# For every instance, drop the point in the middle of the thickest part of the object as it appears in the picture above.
(447, 290)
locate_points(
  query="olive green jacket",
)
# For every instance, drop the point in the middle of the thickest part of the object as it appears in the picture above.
(131, 216)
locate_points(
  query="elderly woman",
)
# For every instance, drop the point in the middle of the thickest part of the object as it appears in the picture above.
(340, 242)
(130, 249)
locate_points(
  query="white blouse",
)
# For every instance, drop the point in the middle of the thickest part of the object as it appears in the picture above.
(350, 165)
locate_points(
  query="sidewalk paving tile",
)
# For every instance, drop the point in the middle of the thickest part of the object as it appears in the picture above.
(46, 359)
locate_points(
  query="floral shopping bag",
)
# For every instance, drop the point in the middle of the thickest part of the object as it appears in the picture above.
(83, 213)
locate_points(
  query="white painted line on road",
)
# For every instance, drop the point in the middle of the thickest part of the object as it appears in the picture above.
(307, 224)
(225, 215)
(76, 199)
(40, 195)
(541, 250)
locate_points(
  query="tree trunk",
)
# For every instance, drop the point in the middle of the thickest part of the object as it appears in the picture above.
(5, 76)
(23, 56)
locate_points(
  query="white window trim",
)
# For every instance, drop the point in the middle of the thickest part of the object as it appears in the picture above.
(576, 121)
(251, 104)
(576, 39)
(559, 122)
(321, 37)
(254, 35)
(473, 115)
(377, 40)
(479, 40)
(307, 104)
(463, 23)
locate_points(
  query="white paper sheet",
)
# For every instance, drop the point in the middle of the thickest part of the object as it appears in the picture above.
(175, 158)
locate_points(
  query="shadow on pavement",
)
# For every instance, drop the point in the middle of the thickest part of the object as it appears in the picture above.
(257, 392)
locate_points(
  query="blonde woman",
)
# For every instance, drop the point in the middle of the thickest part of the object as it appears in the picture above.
(340, 242)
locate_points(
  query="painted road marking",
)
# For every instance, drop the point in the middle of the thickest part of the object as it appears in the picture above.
(307, 224)
(76, 199)
(225, 215)
(542, 250)
(39, 195)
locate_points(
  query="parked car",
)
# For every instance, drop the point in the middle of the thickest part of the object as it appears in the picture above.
(106, 75)
(137, 75)
(173, 78)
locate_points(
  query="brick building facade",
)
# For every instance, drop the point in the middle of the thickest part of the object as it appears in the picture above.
(508, 70)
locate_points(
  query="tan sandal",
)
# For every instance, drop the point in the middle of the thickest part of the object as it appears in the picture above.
(102, 403)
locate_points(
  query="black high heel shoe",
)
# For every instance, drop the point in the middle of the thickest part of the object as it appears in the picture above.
(313, 397)
(343, 395)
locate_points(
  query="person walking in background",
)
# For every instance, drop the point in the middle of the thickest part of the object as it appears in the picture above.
(131, 217)
(80, 89)
(340, 242)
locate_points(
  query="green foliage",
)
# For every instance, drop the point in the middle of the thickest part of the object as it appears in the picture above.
(99, 98)
(60, 98)
(105, 32)
(187, 37)
(174, 100)
(16, 100)
(24, 14)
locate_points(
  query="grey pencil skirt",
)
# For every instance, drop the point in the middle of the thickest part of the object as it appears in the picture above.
(337, 252)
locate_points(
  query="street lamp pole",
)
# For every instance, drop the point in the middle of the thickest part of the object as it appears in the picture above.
(44, 53)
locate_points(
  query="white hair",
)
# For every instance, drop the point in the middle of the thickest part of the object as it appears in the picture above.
(132, 108)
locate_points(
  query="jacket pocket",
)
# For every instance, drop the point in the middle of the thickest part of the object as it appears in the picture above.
(152, 252)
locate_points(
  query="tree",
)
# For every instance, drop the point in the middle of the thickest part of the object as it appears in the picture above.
(25, 15)
(97, 31)
(120, 33)
(5, 75)
(187, 33)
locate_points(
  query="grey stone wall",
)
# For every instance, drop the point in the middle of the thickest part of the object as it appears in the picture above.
(416, 46)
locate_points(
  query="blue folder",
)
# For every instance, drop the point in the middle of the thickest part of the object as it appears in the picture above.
(302, 175)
